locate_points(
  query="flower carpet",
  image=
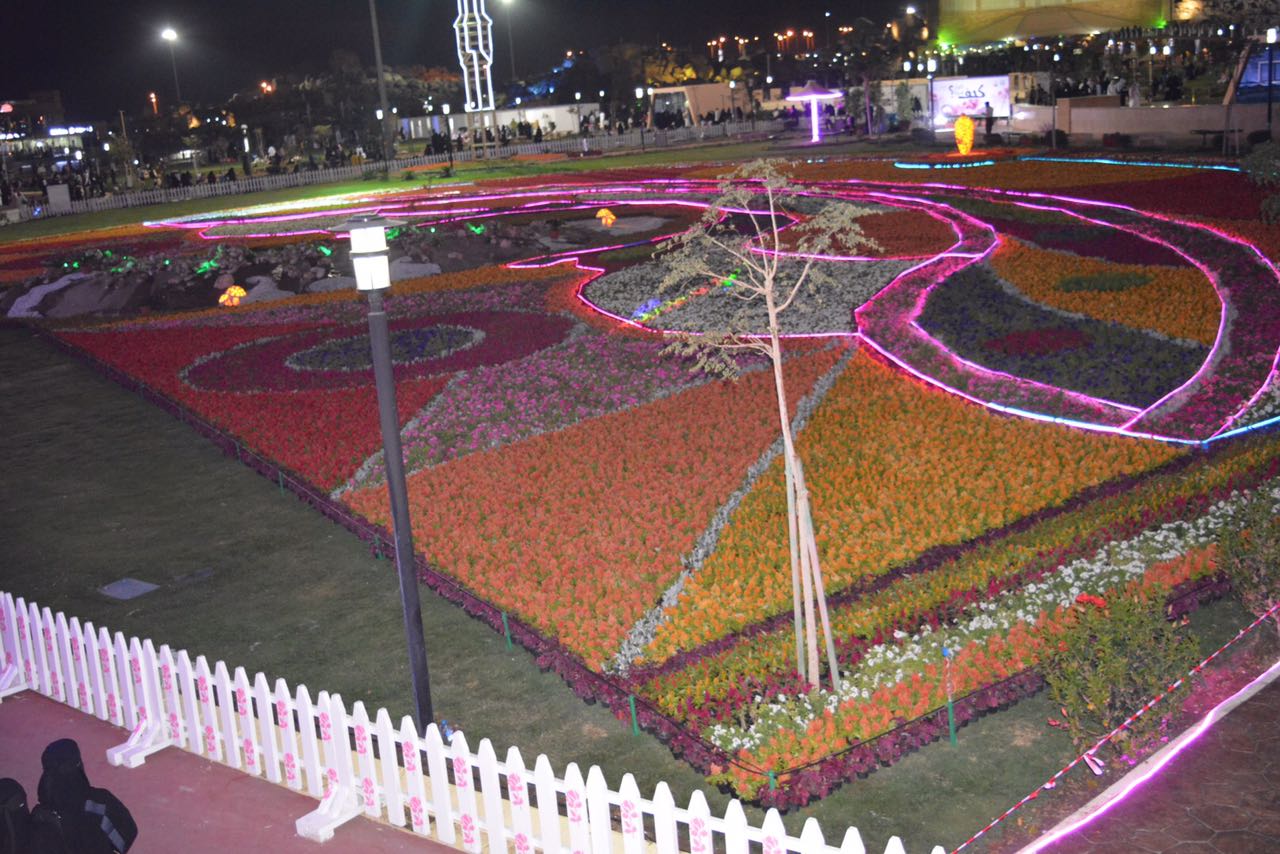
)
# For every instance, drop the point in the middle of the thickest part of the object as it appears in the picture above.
(1040, 396)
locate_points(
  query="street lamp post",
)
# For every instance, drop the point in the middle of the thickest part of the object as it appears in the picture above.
(1271, 65)
(369, 258)
(384, 119)
(170, 35)
(511, 41)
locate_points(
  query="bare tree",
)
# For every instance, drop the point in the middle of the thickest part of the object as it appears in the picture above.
(769, 267)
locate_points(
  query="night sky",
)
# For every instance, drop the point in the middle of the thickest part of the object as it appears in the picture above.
(105, 56)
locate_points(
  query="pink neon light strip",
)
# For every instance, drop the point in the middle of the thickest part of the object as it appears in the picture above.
(540, 197)
(1215, 715)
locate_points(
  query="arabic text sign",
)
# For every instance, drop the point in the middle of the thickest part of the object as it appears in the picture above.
(968, 96)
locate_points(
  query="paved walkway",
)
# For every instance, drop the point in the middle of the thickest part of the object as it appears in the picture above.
(1219, 796)
(180, 801)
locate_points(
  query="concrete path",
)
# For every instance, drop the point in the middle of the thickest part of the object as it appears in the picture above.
(1219, 796)
(180, 801)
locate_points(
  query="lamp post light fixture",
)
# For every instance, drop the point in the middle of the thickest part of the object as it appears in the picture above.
(373, 276)
(170, 35)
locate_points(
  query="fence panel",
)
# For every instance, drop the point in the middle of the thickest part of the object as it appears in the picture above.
(356, 766)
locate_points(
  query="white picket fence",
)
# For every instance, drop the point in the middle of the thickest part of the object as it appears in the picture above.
(355, 764)
(635, 139)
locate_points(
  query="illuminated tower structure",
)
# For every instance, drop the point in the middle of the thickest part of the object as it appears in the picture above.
(474, 30)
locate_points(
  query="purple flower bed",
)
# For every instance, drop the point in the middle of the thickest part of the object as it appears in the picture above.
(549, 390)
(982, 321)
(1090, 241)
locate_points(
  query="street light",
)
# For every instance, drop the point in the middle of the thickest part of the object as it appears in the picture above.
(388, 150)
(1271, 70)
(373, 276)
(170, 35)
(511, 41)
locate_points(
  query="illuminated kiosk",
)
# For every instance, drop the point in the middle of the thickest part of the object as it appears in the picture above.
(813, 93)
(473, 29)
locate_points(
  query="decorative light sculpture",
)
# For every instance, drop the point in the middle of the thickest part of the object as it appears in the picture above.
(232, 296)
(813, 93)
(474, 31)
(964, 135)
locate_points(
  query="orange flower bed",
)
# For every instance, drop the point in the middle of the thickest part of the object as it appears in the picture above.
(1178, 302)
(580, 531)
(885, 489)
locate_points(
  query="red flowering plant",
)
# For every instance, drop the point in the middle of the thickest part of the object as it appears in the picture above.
(1110, 659)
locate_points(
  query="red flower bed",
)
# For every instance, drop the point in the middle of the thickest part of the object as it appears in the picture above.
(1037, 342)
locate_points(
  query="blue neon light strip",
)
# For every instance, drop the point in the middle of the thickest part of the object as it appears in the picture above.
(904, 165)
(1107, 161)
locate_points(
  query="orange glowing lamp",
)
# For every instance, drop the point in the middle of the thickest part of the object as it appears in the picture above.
(607, 217)
(964, 135)
(231, 296)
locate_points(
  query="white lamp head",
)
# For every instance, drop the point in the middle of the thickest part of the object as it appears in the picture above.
(169, 34)
(368, 234)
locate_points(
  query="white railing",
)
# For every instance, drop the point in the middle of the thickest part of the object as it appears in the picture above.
(357, 765)
(635, 139)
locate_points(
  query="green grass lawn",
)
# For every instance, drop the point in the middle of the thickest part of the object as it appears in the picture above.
(98, 485)
(490, 170)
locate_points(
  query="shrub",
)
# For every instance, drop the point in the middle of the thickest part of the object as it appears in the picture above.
(1250, 556)
(1062, 138)
(1115, 655)
(1117, 140)
(1262, 165)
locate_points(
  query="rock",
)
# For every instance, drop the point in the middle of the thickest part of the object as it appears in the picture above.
(264, 290)
(27, 304)
(224, 281)
(333, 283)
(100, 294)
(406, 268)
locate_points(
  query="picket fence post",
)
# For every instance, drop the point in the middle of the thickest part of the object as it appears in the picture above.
(393, 795)
(438, 771)
(632, 818)
(463, 782)
(490, 790)
(735, 828)
(601, 823)
(414, 773)
(150, 732)
(518, 797)
(664, 817)
(12, 679)
(544, 784)
(575, 801)
(699, 824)
(341, 802)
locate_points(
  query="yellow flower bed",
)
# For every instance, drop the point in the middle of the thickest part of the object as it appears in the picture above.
(894, 468)
(1177, 301)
